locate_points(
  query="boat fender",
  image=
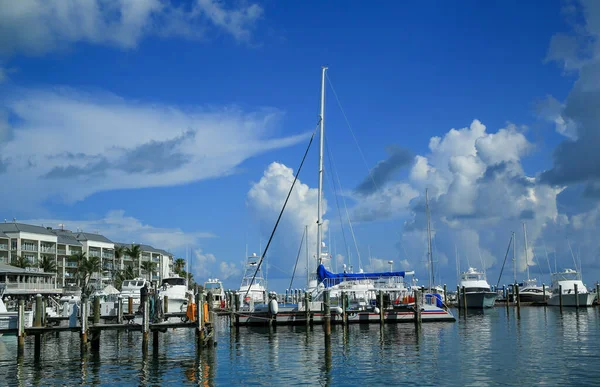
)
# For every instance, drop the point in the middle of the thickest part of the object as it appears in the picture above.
(376, 310)
(273, 307)
(337, 310)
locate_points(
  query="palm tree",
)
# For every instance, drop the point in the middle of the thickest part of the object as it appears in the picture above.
(179, 264)
(148, 267)
(48, 264)
(134, 252)
(89, 268)
(80, 258)
(21, 262)
(119, 252)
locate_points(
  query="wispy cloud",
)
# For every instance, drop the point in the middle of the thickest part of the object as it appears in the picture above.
(40, 26)
(75, 144)
(118, 227)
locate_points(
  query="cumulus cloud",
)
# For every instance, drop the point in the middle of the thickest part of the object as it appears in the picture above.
(39, 26)
(265, 200)
(118, 227)
(576, 159)
(478, 194)
(76, 144)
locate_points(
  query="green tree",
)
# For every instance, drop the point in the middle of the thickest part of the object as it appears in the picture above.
(179, 264)
(134, 252)
(21, 262)
(124, 275)
(90, 266)
(149, 267)
(80, 258)
(119, 252)
(48, 264)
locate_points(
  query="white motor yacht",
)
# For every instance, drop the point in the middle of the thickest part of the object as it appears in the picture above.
(477, 290)
(567, 280)
(215, 287)
(176, 289)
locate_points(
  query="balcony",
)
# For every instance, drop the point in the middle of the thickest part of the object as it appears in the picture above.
(48, 249)
(71, 264)
(61, 251)
(29, 247)
(3, 247)
(29, 286)
(94, 253)
(107, 255)
(155, 259)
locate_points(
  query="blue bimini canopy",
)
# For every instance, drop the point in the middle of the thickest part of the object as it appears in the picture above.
(324, 274)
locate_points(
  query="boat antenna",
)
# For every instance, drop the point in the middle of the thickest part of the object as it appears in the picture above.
(321, 144)
(307, 257)
(429, 252)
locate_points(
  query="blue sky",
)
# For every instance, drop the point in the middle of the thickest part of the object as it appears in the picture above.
(159, 124)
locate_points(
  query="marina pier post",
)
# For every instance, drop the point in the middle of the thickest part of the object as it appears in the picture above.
(598, 293)
(381, 311)
(306, 308)
(344, 313)
(130, 305)
(39, 311)
(166, 304)
(96, 310)
(145, 325)
(544, 294)
(21, 328)
(326, 316)
(120, 310)
(506, 293)
(84, 322)
(560, 298)
(518, 300)
(464, 297)
(445, 296)
(458, 299)
(576, 296)
(417, 295)
(236, 298)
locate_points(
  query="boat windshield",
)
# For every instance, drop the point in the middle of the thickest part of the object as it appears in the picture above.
(134, 284)
(212, 285)
(173, 281)
(567, 275)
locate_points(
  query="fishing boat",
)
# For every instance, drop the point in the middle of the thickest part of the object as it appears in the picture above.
(567, 280)
(176, 290)
(252, 288)
(215, 287)
(131, 289)
(477, 291)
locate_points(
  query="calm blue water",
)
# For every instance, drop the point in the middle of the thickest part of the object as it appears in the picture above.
(490, 348)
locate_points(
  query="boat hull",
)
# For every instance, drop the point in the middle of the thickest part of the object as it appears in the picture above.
(533, 297)
(479, 300)
(9, 320)
(582, 299)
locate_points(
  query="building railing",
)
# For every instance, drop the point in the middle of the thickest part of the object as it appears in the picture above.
(26, 285)
(61, 251)
(73, 252)
(3, 247)
(48, 249)
(95, 254)
(71, 264)
(28, 247)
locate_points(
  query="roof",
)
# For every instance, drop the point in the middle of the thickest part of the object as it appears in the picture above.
(9, 269)
(66, 238)
(164, 252)
(86, 236)
(143, 247)
(21, 227)
(3, 235)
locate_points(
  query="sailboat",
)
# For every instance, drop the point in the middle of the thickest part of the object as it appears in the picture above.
(432, 288)
(398, 301)
(531, 292)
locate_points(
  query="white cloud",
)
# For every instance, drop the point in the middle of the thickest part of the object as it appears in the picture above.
(73, 144)
(118, 227)
(265, 200)
(40, 26)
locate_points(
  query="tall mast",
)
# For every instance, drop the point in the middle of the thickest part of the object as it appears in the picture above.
(307, 258)
(526, 259)
(514, 258)
(321, 143)
(431, 276)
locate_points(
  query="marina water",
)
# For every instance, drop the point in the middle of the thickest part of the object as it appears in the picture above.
(542, 347)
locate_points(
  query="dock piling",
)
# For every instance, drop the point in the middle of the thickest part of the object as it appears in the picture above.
(166, 304)
(560, 298)
(518, 300)
(576, 297)
(544, 294)
(120, 310)
(381, 311)
(21, 328)
(37, 322)
(417, 307)
(84, 322)
(145, 324)
(130, 305)
(96, 310)
(306, 308)
(327, 315)
(445, 296)
(464, 298)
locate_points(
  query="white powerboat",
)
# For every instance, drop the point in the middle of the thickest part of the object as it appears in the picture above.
(176, 289)
(478, 293)
(215, 287)
(252, 290)
(131, 288)
(10, 320)
(567, 280)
